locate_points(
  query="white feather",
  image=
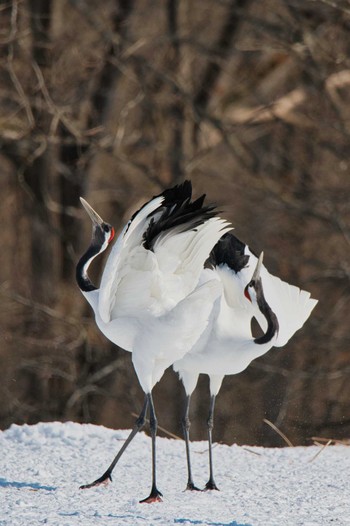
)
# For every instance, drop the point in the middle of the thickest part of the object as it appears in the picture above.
(153, 302)
(227, 345)
(158, 280)
(129, 238)
(291, 304)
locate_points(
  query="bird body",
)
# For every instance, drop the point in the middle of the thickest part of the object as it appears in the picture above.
(151, 301)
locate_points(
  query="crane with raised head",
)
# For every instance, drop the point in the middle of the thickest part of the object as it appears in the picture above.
(152, 300)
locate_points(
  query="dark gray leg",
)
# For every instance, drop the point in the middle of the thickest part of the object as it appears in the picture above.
(186, 424)
(211, 483)
(155, 495)
(140, 422)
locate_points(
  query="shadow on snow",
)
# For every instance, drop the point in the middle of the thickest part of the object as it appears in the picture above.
(194, 522)
(26, 485)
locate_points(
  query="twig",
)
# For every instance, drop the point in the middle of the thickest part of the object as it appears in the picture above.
(207, 449)
(279, 432)
(343, 442)
(38, 306)
(251, 451)
(320, 451)
(311, 373)
(11, 69)
(169, 433)
(334, 5)
(58, 114)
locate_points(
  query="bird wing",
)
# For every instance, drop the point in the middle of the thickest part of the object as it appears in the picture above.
(291, 305)
(181, 256)
(157, 260)
(129, 238)
(157, 280)
(235, 263)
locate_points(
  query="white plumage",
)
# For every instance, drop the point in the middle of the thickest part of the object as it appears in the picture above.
(158, 301)
(227, 345)
(150, 301)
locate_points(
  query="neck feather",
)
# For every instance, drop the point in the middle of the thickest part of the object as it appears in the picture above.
(271, 318)
(83, 280)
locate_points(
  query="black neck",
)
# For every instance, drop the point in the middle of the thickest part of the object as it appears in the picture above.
(271, 318)
(82, 278)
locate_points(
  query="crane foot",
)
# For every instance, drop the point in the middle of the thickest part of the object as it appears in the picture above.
(211, 485)
(154, 496)
(102, 481)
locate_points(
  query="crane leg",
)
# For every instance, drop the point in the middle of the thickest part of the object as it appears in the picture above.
(155, 495)
(211, 483)
(107, 476)
(186, 424)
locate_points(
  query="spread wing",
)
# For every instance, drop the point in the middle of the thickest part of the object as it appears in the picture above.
(236, 264)
(158, 258)
(291, 305)
(130, 237)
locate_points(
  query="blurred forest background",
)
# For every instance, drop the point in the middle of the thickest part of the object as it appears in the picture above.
(116, 100)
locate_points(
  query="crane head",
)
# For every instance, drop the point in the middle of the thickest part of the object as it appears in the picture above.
(102, 232)
(250, 289)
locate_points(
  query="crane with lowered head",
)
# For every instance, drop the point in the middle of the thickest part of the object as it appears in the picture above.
(227, 345)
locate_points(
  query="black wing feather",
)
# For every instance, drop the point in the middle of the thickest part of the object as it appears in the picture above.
(229, 250)
(177, 209)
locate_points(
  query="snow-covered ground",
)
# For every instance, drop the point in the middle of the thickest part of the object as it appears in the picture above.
(42, 466)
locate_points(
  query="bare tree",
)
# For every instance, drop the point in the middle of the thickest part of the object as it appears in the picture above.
(116, 100)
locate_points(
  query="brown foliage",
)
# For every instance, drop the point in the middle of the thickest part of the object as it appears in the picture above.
(115, 100)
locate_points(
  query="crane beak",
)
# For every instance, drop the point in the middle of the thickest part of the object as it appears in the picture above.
(95, 218)
(257, 270)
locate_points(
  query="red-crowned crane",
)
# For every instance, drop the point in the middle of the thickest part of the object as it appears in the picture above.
(227, 346)
(150, 300)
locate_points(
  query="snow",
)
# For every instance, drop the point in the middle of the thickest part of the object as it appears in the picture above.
(42, 467)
